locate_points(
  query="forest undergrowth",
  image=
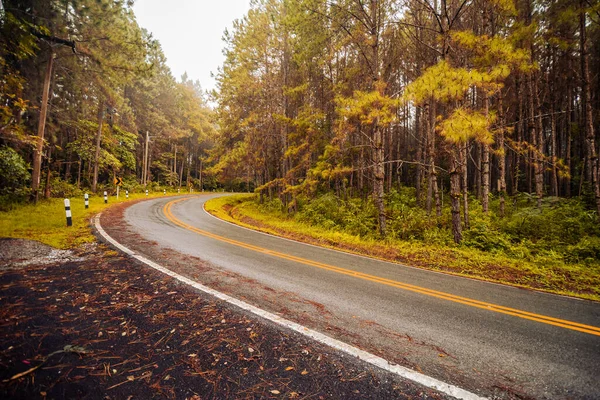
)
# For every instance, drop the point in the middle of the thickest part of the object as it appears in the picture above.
(554, 249)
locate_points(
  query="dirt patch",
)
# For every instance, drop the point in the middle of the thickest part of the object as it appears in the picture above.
(105, 327)
(17, 253)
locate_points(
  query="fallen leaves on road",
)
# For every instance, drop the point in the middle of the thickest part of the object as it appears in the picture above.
(124, 330)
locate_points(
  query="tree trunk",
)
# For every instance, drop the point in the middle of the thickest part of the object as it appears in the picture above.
(37, 155)
(379, 175)
(79, 173)
(568, 140)
(181, 169)
(553, 152)
(455, 195)
(432, 174)
(420, 145)
(98, 141)
(465, 182)
(540, 166)
(501, 156)
(533, 137)
(588, 124)
(200, 176)
(378, 149)
(48, 174)
(428, 139)
(520, 138)
(485, 164)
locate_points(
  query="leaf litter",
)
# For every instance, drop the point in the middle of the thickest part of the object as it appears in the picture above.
(100, 326)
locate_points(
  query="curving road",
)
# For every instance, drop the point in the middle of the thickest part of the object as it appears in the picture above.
(498, 341)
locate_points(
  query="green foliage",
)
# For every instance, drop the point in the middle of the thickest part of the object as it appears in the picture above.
(407, 221)
(62, 189)
(587, 251)
(483, 237)
(560, 222)
(164, 174)
(273, 205)
(14, 174)
(563, 229)
(353, 216)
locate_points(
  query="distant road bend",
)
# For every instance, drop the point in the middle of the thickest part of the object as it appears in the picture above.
(496, 340)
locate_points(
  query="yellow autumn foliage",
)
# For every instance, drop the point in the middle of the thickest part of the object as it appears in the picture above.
(369, 107)
(446, 83)
(465, 124)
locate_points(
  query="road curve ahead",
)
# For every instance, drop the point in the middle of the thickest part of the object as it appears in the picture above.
(500, 341)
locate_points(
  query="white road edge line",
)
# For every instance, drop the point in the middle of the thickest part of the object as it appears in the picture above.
(372, 359)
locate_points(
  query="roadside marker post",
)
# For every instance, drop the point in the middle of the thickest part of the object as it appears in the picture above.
(164, 191)
(178, 190)
(126, 193)
(86, 199)
(117, 192)
(146, 192)
(105, 197)
(68, 212)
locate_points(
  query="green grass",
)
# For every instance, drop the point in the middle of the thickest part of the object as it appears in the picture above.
(46, 221)
(543, 273)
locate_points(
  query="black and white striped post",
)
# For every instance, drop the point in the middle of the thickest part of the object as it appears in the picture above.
(68, 212)
(86, 200)
(146, 192)
(178, 190)
(105, 197)
(126, 193)
(164, 191)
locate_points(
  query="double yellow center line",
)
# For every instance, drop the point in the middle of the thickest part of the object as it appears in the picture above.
(592, 330)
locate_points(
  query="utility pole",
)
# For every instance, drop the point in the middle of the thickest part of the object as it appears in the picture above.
(37, 156)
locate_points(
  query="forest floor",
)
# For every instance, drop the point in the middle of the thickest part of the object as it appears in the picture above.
(92, 324)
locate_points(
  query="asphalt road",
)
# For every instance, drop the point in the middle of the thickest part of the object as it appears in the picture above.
(496, 340)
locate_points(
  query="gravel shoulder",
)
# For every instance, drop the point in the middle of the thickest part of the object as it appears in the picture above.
(93, 324)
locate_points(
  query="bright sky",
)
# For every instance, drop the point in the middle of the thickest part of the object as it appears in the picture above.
(190, 32)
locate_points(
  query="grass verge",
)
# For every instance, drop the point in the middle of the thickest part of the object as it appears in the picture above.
(46, 221)
(557, 277)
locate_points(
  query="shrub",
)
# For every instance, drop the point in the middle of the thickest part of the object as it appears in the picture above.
(60, 188)
(481, 237)
(358, 217)
(587, 250)
(14, 176)
(322, 211)
(560, 222)
(273, 205)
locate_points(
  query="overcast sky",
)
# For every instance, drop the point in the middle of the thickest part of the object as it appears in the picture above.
(190, 32)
